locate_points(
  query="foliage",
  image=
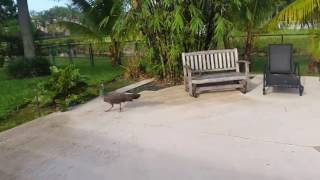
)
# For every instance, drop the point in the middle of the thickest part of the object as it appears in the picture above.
(15, 93)
(69, 13)
(8, 11)
(64, 87)
(314, 47)
(169, 28)
(22, 67)
(99, 17)
(302, 13)
(298, 12)
(252, 15)
(134, 68)
(10, 42)
(1, 61)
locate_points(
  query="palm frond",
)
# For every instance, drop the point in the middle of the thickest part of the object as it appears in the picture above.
(298, 12)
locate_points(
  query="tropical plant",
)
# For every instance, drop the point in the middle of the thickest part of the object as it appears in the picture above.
(98, 19)
(1, 61)
(303, 13)
(252, 15)
(10, 41)
(298, 12)
(169, 28)
(8, 11)
(64, 88)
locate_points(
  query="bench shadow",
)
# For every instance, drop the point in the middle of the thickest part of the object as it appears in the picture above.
(280, 90)
(254, 83)
(138, 104)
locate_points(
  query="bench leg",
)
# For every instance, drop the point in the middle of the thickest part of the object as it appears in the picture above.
(244, 88)
(194, 91)
(186, 86)
(190, 89)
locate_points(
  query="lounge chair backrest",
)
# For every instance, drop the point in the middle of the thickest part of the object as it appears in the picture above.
(280, 58)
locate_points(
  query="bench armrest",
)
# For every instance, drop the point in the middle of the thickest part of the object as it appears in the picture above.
(186, 67)
(188, 70)
(243, 61)
(246, 63)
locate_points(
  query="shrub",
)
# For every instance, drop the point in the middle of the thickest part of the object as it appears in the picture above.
(1, 61)
(64, 88)
(22, 67)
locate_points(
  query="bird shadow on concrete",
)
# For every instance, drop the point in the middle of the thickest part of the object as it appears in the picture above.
(133, 105)
(138, 104)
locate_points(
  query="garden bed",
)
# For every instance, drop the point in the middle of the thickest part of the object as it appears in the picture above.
(153, 86)
(16, 94)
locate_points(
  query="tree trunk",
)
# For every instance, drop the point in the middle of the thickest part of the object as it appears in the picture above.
(210, 29)
(26, 29)
(248, 46)
(115, 50)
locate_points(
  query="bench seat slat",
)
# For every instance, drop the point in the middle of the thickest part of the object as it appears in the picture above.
(218, 77)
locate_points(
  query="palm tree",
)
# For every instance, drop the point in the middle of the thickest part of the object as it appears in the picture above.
(303, 12)
(99, 18)
(298, 12)
(252, 14)
(26, 29)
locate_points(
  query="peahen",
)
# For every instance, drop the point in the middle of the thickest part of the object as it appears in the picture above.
(118, 98)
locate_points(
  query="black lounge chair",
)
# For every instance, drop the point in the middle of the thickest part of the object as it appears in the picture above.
(280, 70)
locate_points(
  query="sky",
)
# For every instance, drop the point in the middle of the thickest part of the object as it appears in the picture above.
(40, 5)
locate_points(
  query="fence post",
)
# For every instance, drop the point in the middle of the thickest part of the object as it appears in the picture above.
(52, 56)
(69, 53)
(91, 55)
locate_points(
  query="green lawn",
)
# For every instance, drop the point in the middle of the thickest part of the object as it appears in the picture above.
(101, 72)
(15, 93)
(258, 64)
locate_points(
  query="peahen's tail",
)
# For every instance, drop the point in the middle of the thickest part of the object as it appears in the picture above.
(134, 96)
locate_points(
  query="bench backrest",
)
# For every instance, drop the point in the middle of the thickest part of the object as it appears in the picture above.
(212, 60)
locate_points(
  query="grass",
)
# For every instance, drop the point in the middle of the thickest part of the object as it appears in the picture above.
(261, 43)
(101, 72)
(16, 93)
(259, 62)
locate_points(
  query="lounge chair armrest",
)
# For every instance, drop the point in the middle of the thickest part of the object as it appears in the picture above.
(246, 63)
(265, 70)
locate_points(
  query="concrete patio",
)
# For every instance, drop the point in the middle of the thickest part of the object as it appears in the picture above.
(169, 135)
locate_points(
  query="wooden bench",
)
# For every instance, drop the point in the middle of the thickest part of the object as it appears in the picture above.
(213, 70)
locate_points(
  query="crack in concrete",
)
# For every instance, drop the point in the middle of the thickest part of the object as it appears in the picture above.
(265, 141)
(317, 148)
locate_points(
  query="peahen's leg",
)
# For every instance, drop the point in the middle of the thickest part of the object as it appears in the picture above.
(120, 107)
(109, 108)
